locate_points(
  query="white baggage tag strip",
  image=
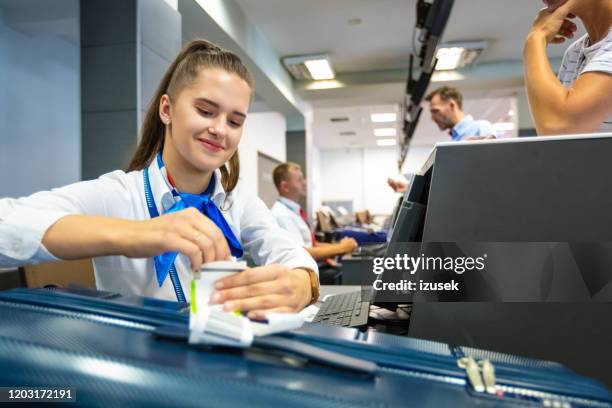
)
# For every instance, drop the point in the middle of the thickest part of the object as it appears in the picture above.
(209, 324)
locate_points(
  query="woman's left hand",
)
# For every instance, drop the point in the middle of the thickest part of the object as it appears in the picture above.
(555, 26)
(265, 289)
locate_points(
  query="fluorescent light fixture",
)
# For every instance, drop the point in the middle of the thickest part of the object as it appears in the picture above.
(457, 55)
(503, 126)
(310, 67)
(385, 132)
(447, 76)
(386, 142)
(320, 69)
(331, 84)
(448, 58)
(383, 117)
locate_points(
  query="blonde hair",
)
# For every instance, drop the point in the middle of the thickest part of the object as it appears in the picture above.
(194, 56)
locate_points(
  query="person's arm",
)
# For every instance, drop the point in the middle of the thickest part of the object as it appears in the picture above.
(555, 109)
(397, 185)
(266, 289)
(283, 283)
(187, 232)
(84, 220)
(320, 253)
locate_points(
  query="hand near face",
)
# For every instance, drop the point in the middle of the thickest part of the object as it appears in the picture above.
(554, 22)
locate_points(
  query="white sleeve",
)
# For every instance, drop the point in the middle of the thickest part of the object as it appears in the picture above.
(266, 241)
(602, 60)
(292, 229)
(24, 221)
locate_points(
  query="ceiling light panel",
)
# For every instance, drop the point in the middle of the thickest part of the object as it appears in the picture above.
(385, 132)
(386, 142)
(320, 69)
(383, 117)
(310, 67)
(457, 55)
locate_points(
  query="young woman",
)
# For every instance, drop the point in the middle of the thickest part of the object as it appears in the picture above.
(180, 195)
(579, 99)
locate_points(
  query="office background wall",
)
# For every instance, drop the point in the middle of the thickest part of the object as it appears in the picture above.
(121, 66)
(314, 179)
(40, 127)
(296, 153)
(417, 156)
(263, 132)
(359, 175)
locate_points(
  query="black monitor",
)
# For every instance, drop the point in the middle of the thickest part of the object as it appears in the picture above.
(410, 219)
(393, 218)
(532, 190)
(408, 226)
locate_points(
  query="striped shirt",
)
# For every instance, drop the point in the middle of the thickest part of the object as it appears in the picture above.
(583, 57)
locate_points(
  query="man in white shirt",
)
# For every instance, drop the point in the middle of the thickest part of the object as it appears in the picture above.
(291, 185)
(579, 98)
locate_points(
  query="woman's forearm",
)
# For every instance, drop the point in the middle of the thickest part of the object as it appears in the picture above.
(84, 236)
(188, 232)
(546, 94)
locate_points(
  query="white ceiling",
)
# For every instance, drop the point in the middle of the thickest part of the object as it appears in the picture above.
(334, 135)
(328, 134)
(383, 41)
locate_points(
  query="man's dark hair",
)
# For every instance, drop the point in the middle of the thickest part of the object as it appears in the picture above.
(447, 93)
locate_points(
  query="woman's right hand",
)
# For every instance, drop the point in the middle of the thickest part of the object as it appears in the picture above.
(187, 231)
(553, 24)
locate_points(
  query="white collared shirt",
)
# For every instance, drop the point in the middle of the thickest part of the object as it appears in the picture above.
(24, 221)
(287, 214)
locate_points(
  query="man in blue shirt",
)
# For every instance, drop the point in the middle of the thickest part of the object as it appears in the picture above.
(445, 105)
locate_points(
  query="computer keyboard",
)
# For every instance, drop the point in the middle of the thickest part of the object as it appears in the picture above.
(345, 309)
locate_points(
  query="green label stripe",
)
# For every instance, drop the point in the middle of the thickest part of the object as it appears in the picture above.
(193, 296)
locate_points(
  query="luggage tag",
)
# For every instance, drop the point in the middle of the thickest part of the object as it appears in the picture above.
(211, 325)
(228, 327)
(203, 282)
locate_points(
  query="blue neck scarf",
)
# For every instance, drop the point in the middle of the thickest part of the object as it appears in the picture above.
(164, 263)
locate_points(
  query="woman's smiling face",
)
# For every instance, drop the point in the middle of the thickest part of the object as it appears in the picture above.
(207, 117)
